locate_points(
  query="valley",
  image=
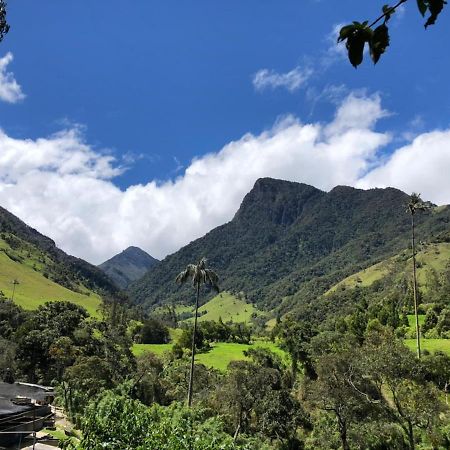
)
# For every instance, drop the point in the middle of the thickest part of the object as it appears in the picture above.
(312, 285)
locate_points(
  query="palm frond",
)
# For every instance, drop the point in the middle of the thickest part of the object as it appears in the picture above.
(212, 279)
(416, 204)
(187, 273)
(199, 274)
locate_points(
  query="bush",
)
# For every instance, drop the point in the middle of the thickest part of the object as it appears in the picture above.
(117, 421)
(431, 334)
(154, 332)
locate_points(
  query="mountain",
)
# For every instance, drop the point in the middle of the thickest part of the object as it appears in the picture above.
(128, 266)
(290, 242)
(43, 272)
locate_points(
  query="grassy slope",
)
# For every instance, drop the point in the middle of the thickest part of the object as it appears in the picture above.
(218, 357)
(432, 256)
(227, 307)
(34, 289)
(431, 345)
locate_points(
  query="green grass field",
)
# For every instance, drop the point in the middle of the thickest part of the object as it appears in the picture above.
(431, 345)
(34, 289)
(218, 357)
(412, 320)
(157, 349)
(431, 256)
(227, 307)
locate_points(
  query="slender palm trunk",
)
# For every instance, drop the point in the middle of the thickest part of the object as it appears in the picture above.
(13, 292)
(416, 312)
(194, 334)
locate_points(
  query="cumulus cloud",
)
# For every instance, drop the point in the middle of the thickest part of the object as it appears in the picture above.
(292, 80)
(65, 188)
(10, 90)
(421, 166)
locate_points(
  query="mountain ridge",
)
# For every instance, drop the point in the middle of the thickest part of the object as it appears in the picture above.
(288, 240)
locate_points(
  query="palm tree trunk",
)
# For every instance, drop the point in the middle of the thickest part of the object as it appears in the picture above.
(194, 334)
(416, 312)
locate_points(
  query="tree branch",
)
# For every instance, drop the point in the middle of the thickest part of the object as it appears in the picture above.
(387, 12)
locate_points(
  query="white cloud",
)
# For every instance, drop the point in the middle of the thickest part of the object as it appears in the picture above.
(336, 50)
(421, 166)
(10, 90)
(292, 80)
(64, 188)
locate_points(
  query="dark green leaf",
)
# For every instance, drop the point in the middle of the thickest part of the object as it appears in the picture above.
(435, 7)
(379, 42)
(387, 11)
(355, 46)
(345, 32)
(422, 5)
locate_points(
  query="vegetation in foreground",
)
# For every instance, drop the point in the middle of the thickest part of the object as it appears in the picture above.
(349, 381)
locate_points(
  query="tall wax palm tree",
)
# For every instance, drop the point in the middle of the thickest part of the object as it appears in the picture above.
(199, 275)
(15, 283)
(415, 204)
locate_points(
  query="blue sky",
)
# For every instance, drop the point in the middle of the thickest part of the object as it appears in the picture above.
(141, 89)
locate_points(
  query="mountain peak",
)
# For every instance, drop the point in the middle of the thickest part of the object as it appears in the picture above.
(278, 201)
(127, 266)
(292, 241)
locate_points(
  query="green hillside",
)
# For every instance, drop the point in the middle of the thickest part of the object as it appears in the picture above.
(25, 245)
(35, 289)
(430, 257)
(34, 271)
(227, 307)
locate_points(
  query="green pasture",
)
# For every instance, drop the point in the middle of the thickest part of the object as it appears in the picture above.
(432, 345)
(221, 354)
(34, 289)
(227, 307)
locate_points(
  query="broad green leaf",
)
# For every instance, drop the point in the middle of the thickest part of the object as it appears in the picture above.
(379, 42)
(355, 47)
(345, 32)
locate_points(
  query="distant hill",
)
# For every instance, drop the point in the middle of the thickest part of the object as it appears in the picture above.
(128, 266)
(43, 271)
(290, 242)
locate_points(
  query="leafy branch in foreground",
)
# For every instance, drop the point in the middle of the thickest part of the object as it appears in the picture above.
(357, 34)
(4, 27)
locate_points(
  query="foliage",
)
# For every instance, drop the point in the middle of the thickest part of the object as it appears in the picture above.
(154, 332)
(356, 35)
(116, 421)
(4, 27)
